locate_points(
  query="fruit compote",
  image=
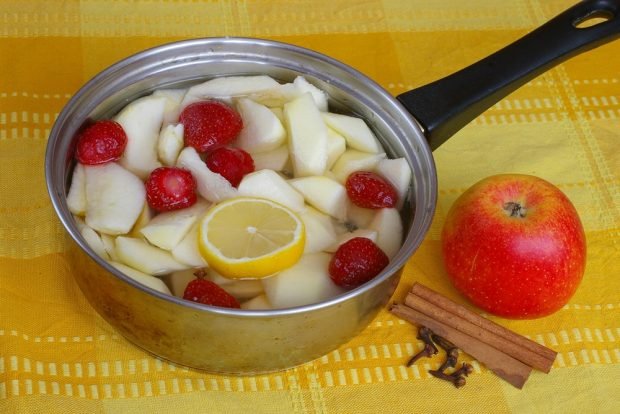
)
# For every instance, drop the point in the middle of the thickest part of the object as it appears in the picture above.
(145, 180)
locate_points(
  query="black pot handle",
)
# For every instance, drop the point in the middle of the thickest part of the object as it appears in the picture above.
(445, 106)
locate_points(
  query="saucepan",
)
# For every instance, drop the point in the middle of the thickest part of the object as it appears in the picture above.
(410, 126)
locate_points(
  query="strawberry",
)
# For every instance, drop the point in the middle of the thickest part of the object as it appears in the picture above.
(209, 293)
(170, 188)
(356, 262)
(101, 142)
(209, 125)
(230, 163)
(369, 190)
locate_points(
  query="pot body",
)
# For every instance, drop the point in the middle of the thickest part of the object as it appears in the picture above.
(217, 339)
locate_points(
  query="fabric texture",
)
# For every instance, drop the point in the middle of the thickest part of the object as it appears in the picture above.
(57, 355)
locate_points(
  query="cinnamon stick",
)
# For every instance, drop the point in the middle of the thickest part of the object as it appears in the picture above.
(513, 347)
(510, 369)
(475, 319)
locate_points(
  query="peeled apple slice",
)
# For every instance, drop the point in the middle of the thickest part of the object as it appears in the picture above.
(320, 231)
(355, 131)
(345, 237)
(178, 280)
(276, 160)
(140, 277)
(396, 172)
(140, 255)
(307, 136)
(172, 108)
(186, 251)
(93, 239)
(114, 198)
(353, 160)
(304, 283)
(336, 146)
(228, 86)
(259, 302)
(141, 120)
(170, 143)
(166, 230)
(320, 97)
(262, 130)
(325, 194)
(270, 185)
(389, 227)
(212, 186)
(143, 219)
(76, 198)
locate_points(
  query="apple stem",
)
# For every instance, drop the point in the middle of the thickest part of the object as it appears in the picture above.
(514, 209)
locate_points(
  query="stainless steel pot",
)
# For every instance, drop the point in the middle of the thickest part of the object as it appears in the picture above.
(237, 341)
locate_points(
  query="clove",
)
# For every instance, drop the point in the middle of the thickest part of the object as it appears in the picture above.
(429, 349)
(463, 371)
(458, 381)
(452, 352)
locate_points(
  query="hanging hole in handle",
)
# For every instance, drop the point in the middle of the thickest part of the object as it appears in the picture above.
(592, 19)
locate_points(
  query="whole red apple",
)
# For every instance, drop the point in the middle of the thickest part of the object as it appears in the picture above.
(514, 245)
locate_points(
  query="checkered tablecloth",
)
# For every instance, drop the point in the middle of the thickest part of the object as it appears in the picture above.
(58, 356)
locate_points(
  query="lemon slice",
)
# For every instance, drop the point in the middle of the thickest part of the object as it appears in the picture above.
(248, 237)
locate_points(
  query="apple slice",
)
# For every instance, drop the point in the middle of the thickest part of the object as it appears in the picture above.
(276, 160)
(172, 108)
(262, 130)
(167, 229)
(93, 239)
(114, 198)
(276, 96)
(170, 143)
(178, 280)
(76, 198)
(355, 131)
(345, 237)
(141, 120)
(109, 244)
(146, 215)
(325, 194)
(140, 255)
(212, 186)
(358, 216)
(304, 283)
(396, 172)
(244, 289)
(186, 251)
(389, 227)
(307, 136)
(259, 302)
(270, 185)
(320, 97)
(152, 282)
(228, 86)
(320, 231)
(354, 160)
(215, 277)
(279, 113)
(336, 146)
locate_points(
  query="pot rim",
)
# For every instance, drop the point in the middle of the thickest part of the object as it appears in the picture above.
(412, 241)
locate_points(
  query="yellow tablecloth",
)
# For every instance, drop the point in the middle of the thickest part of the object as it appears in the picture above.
(58, 356)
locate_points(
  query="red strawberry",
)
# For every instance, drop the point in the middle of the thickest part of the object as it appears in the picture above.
(369, 190)
(356, 262)
(206, 292)
(209, 125)
(101, 142)
(170, 188)
(230, 163)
